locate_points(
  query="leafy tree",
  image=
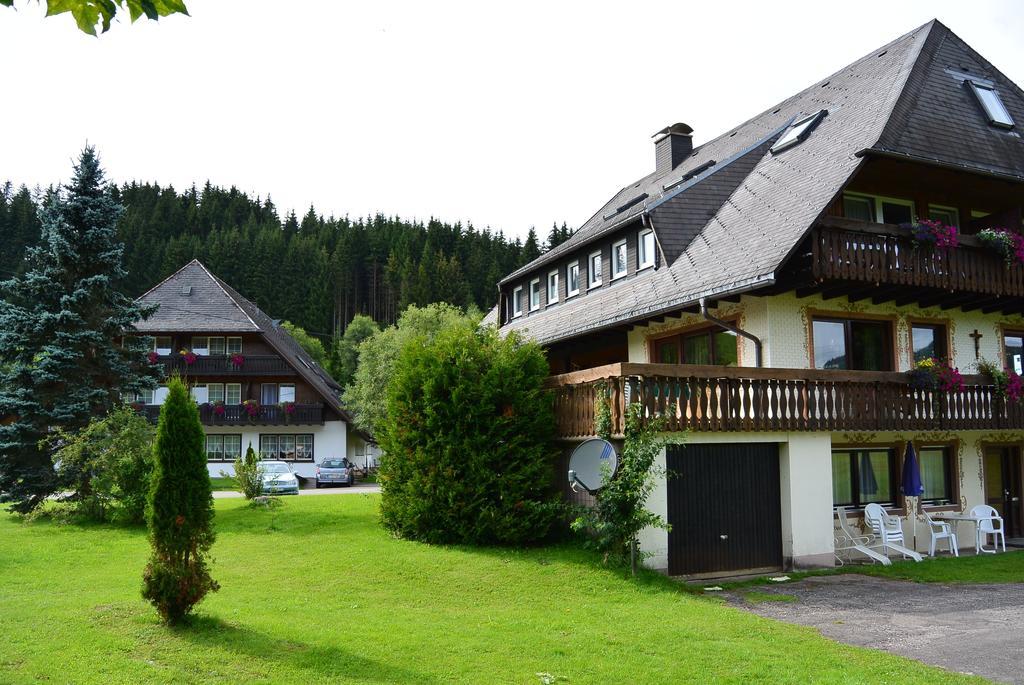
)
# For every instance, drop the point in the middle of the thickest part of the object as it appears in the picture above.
(346, 350)
(365, 396)
(180, 510)
(313, 347)
(60, 363)
(90, 13)
(619, 513)
(108, 465)
(468, 452)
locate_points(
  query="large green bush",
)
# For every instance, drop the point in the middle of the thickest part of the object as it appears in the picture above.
(179, 511)
(468, 453)
(107, 467)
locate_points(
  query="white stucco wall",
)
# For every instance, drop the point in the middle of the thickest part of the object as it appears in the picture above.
(329, 440)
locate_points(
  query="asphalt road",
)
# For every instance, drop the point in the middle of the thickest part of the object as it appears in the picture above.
(976, 629)
(358, 489)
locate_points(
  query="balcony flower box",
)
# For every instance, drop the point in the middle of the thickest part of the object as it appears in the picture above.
(237, 361)
(1006, 243)
(153, 357)
(935, 374)
(929, 235)
(251, 409)
(189, 357)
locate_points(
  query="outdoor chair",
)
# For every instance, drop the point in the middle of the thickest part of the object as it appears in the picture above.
(989, 523)
(886, 528)
(941, 530)
(847, 541)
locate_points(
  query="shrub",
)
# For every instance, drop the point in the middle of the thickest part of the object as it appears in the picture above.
(248, 474)
(1006, 243)
(619, 512)
(179, 510)
(468, 453)
(107, 466)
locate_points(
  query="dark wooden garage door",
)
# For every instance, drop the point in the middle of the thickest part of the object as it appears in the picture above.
(724, 508)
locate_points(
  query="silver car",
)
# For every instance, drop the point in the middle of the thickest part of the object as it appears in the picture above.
(336, 472)
(278, 478)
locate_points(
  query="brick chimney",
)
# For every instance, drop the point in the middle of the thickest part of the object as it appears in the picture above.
(672, 145)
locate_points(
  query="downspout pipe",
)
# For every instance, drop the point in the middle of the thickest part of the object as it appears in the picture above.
(734, 329)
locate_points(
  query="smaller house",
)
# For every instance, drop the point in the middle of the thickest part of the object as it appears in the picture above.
(253, 382)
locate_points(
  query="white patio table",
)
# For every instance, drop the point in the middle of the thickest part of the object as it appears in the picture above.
(955, 518)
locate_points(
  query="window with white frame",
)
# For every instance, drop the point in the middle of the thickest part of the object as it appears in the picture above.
(228, 393)
(216, 346)
(994, 108)
(286, 392)
(517, 301)
(162, 344)
(645, 249)
(200, 394)
(619, 259)
(286, 447)
(594, 270)
(798, 131)
(572, 279)
(201, 345)
(881, 210)
(234, 344)
(535, 294)
(159, 395)
(947, 215)
(553, 287)
(223, 447)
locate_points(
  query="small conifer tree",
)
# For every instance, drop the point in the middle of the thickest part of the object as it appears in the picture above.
(179, 511)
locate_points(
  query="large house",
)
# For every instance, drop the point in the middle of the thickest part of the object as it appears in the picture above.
(769, 290)
(254, 384)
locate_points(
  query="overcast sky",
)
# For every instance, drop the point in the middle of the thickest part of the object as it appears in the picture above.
(505, 116)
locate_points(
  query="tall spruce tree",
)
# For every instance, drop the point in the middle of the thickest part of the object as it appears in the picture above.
(179, 511)
(60, 362)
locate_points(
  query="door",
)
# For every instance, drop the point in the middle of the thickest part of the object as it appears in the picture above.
(724, 507)
(1003, 486)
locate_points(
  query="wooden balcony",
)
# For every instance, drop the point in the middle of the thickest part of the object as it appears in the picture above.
(266, 415)
(222, 365)
(715, 398)
(884, 259)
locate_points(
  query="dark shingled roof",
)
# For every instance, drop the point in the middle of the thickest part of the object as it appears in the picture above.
(215, 307)
(734, 228)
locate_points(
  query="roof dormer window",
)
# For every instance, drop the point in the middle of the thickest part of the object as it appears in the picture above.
(798, 131)
(994, 108)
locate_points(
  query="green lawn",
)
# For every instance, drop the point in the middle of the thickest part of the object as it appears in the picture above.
(316, 592)
(220, 483)
(969, 568)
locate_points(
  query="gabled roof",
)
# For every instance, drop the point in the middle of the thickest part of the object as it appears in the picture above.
(206, 308)
(938, 118)
(715, 246)
(213, 306)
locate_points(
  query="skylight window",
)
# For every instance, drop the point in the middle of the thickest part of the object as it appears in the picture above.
(798, 131)
(994, 108)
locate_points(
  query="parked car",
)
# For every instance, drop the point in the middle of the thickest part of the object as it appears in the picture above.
(335, 471)
(278, 478)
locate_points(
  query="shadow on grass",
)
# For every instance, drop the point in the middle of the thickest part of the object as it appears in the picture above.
(322, 661)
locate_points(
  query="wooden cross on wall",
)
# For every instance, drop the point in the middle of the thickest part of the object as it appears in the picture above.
(977, 343)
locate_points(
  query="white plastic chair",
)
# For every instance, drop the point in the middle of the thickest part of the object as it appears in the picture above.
(989, 523)
(886, 528)
(941, 530)
(848, 540)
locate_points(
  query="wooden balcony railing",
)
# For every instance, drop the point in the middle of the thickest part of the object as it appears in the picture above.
(265, 415)
(848, 250)
(715, 398)
(222, 365)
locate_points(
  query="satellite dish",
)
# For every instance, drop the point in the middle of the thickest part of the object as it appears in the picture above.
(586, 465)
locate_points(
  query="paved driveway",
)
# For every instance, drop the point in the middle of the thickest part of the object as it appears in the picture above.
(359, 489)
(976, 629)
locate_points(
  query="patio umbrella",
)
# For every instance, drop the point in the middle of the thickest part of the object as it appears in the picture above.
(910, 484)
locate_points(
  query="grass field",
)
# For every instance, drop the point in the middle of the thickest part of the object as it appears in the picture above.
(969, 568)
(316, 592)
(220, 483)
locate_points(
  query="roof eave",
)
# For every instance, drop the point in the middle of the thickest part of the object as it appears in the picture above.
(938, 163)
